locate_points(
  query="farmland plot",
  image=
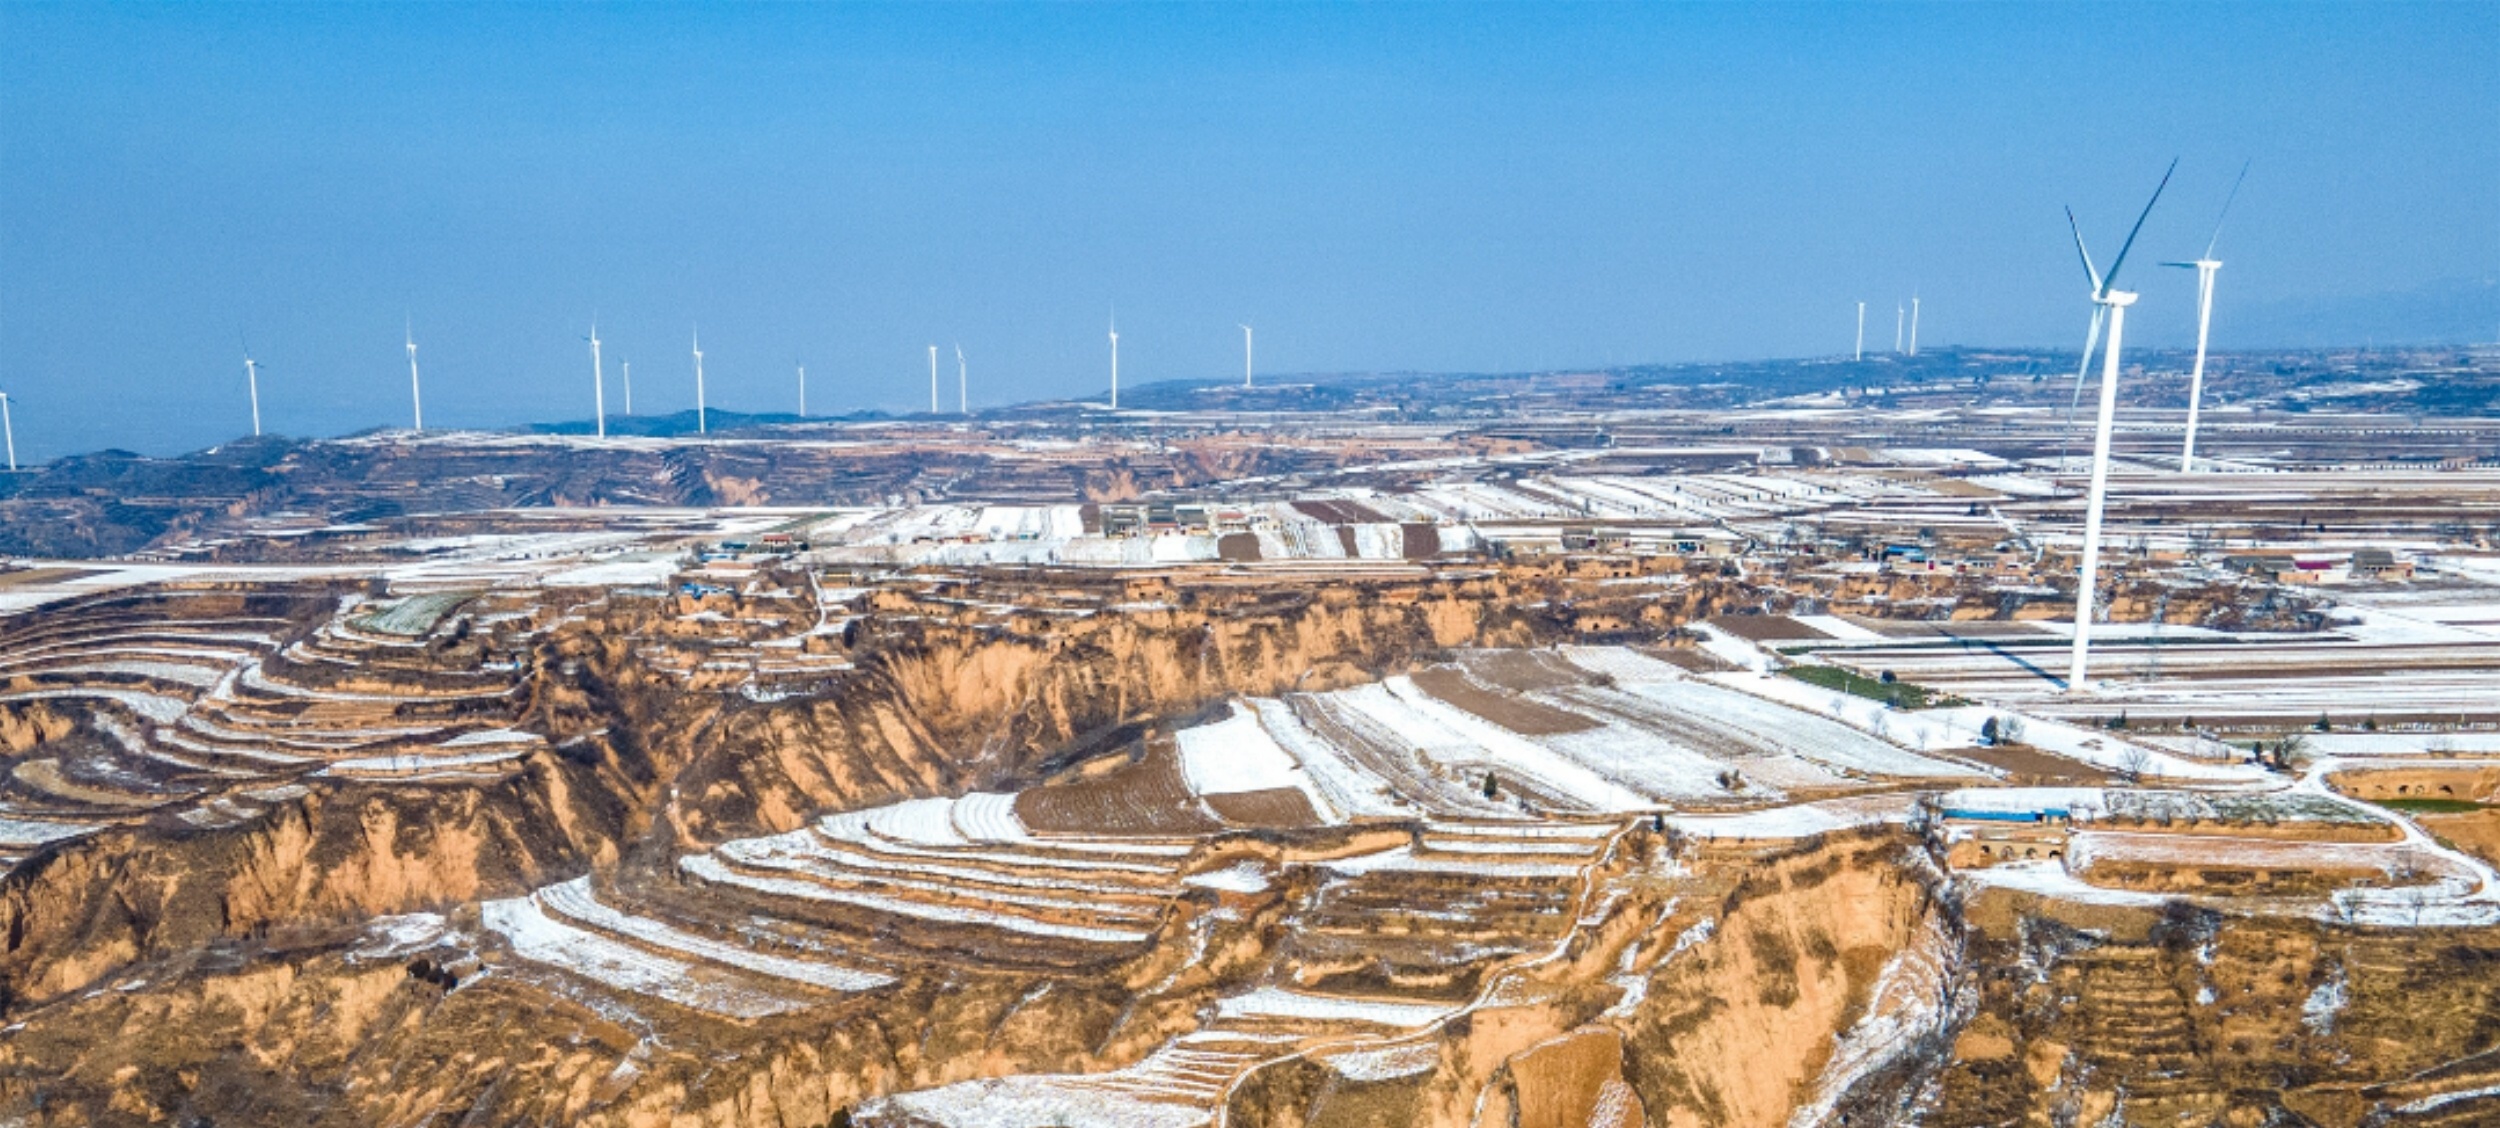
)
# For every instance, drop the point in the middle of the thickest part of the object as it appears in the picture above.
(524, 924)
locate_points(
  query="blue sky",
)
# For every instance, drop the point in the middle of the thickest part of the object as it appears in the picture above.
(1376, 188)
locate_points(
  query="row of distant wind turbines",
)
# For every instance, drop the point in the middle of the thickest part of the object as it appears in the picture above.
(2109, 312)
(1898, 311)
(599, 383)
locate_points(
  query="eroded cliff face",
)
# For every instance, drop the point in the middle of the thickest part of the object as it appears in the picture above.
(2178, 1016)
(329, 858)
(1723, 988)
(643, 760)
(1492, 957)
(1684, 984)
(940, 707)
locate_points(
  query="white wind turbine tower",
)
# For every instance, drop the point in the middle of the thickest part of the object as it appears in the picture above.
(2109, 305)
(8, 429)
(1900, 314)
(963, 390)
(802, 391)
(416, 391)
(1861, 353)
(251, 376)
(933, 407)
(702, 420)
(598, 382)
(2205, 269)
(1913, 325)
(1115, 361)
(627, 368)
(1245, 356)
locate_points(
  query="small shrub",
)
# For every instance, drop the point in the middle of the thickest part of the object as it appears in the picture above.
(1776, 961)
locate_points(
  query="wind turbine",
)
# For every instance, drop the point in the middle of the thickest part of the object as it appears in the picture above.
(598, 382)
(2109, 306)
(1899, 312)
(802, 391)
(1913, 325)
(251, 376)
(2205, 269)
(628, 369)
(963, 391)
(702, 421)
(1115, 360)
(1245, 356)
(933, 408)
(8, 428)
(416, 391)
(1861, 353)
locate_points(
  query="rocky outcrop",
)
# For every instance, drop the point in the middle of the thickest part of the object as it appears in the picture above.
(2177, 1016)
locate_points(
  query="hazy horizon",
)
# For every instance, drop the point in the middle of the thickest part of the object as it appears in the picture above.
(1481, 189)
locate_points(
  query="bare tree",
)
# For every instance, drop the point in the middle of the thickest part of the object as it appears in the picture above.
(2414, 898)
(2133, 763)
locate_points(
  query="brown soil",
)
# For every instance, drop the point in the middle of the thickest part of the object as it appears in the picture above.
(1518, 714)
(2475, 832)
(1576, 1082)
(1147, 796)
(1768, 628)
(1340, 512)
(2026, 765)
(1688, 658)
(1963, 628)
(2157, 877)
(1278, 807)
(46, 576)
(1525, 671)
(1237, 546)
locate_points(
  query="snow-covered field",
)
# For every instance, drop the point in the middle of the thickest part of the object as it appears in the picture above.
(1278, 1002)
(538, 937)
(1236, 754)
(575, 901)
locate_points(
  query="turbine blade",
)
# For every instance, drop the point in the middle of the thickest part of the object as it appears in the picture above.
(2226, 209)
(2088, 269)
(2091, 341)
(2147, 213)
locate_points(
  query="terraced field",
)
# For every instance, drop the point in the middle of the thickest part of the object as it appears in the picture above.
(1412, 897)
(204, 708)
(1386, 941)
(1423, 888)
